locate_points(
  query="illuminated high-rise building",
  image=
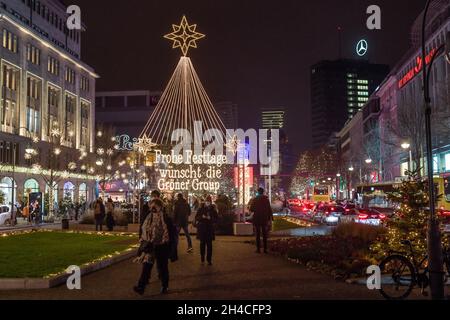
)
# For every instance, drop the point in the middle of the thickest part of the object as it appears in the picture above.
(273, 118)
(339, 89)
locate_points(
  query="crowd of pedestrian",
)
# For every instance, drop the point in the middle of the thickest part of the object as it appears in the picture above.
(159, 233)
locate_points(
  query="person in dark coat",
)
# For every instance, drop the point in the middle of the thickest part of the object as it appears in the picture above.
(99, 214)
(110, 223)
(156, 242)
(205, 219)
(182, 211)
(145, 211)
(262, 218)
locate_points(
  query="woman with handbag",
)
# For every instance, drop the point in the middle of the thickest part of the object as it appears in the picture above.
(156, 246)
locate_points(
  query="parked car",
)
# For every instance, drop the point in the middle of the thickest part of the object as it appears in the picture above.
(365, 216)
(5, 215)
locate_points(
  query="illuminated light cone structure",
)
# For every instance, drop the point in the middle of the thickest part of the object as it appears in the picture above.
(184, 101)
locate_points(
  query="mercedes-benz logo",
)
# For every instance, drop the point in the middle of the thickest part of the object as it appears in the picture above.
(362, 47)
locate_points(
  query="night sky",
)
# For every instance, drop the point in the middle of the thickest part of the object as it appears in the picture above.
(256, 53)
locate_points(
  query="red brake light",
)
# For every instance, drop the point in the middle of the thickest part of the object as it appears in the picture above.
(363, 216)
(347, 210)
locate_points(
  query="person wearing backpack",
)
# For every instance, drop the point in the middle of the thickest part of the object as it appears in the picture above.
(99, 214)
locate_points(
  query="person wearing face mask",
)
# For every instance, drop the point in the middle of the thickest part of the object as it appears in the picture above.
(205, 219)
(156, 242)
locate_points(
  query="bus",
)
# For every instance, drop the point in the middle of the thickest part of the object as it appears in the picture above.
(375, 195)
(321, 194)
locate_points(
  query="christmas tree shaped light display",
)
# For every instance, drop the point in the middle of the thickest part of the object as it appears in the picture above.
(184, 101)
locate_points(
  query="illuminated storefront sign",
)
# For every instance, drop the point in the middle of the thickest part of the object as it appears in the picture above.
(416, 70)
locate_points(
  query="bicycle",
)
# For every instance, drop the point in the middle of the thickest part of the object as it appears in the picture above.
(400, 274)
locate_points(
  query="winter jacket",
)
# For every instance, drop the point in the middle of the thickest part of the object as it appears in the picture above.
(205, 226)
(262, 211)
(182, 211)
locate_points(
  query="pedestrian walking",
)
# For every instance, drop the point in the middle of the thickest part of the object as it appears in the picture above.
(77, 210)
(99, 214)
(110, 223)
(182, 211)
(262, 218)
(157, 238)
(37, 212)
(205, 220)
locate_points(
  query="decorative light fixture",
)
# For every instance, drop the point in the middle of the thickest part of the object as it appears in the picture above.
(351, 169)
(99, 134)
(184, 36)
(99, 162)
(57, 151)
(368, 161)
(100, 151)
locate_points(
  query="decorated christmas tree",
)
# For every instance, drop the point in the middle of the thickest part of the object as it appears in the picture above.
(411, 218)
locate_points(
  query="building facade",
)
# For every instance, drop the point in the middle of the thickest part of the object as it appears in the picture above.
(47, 92)
(339, 89)
(390, 128)
(273, 118)
(228, 112)
(126, 111)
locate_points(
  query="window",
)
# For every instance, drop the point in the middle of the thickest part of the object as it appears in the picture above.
(363, 99)
(33, 104)
(33, 54)
(84, 138)
(10, 95)
(70, 119)
(53, 109)
(447, 162)
(85, 84)
(70, 75)
(363, 88)
(363, 82)
(10, 41)
(53, 66)
(363, 93)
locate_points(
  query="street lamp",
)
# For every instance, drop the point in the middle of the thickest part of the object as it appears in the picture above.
(407, 146)
(368, 161)
(435, 260)
(351, 169)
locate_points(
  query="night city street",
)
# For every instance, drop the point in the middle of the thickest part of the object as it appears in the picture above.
(225, 157)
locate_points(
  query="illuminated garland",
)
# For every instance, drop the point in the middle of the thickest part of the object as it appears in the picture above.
(63, 174)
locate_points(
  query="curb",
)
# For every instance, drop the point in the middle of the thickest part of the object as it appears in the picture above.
(44, 283)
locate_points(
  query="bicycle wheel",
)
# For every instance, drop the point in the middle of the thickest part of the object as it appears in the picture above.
(397, 277)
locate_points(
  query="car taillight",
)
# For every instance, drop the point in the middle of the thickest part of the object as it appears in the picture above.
(363, 216)
(305, 209)
(347, 210)
(382, 216)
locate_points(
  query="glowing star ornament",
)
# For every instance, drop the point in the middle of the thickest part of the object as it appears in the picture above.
(184, 36)
(144, 144)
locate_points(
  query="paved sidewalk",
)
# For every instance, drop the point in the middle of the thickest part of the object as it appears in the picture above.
(237, 273)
